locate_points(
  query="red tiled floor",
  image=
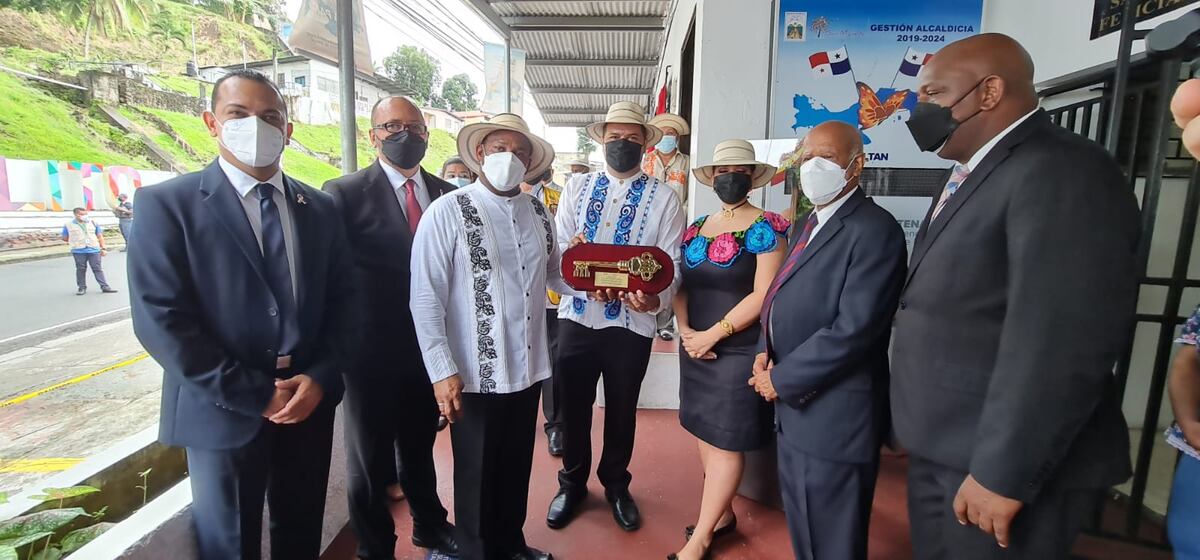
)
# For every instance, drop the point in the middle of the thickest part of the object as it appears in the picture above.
(667, 484)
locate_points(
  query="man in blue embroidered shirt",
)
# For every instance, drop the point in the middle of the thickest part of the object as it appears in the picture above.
(609, 333)
(86, 239)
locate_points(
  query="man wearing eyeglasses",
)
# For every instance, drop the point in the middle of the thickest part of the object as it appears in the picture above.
(389, 401)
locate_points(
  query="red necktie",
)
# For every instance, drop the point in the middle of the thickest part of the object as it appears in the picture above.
(788, 265)
(412, 205)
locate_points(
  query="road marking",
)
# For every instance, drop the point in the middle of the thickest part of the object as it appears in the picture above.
(63, 325)
(44, 465)
(73, 380)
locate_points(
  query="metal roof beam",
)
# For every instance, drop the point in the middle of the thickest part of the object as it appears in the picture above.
(593, 91)
(574, 111)
(600, 23)
(488, 13)
(566, 62)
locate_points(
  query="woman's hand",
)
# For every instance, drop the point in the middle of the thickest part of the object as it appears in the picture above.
(699, 344)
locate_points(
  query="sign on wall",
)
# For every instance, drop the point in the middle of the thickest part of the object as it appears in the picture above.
(1106, 15)
(315, 31)
(859, 62)
(493, 79)
(58, 186)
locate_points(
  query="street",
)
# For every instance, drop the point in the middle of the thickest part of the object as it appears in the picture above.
(41, 294)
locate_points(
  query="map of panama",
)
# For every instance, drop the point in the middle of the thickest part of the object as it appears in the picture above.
(810, 113)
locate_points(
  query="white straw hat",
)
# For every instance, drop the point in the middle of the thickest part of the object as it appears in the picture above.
(736, 152)
(672, 120)
(625, 112)
(472, 135)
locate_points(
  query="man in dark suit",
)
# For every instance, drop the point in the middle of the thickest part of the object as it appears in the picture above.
(389, 400)
(827, 319)
(243, 290)
(1019, 298)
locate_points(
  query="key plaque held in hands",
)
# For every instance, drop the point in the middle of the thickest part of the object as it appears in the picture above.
(596, 266)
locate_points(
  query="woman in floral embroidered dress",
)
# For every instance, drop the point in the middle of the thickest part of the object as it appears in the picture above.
(729, 260)
(1183, 513)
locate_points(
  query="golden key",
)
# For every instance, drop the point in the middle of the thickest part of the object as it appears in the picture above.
(643, 266)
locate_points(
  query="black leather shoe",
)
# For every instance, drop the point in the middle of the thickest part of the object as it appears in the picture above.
(625, 511)
(440, 539)
(563, 508)
(531, 553)
(554, 441)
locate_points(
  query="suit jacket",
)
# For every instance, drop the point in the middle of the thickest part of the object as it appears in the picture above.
(1018, 302)
(203, 309)
(381, 241)
(830, 325)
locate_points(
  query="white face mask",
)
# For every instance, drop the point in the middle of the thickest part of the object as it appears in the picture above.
(504, 171)
(252, 141)
(822, 180)
(459, 182)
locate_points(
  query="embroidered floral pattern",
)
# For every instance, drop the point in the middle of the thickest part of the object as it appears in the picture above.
(485, 311)
(540, 210)
(1191, 330)
(695, 252)
(724, 249)
(595, 205)
(778, 223)
(761, 237)
(629, 211)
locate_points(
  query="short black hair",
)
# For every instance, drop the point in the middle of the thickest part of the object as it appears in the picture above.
(245, 74)
(78, 209)
(548, 175)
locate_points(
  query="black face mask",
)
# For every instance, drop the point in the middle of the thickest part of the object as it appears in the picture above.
(931, 124)
(732, 188)
(404, 149)
(622, 155)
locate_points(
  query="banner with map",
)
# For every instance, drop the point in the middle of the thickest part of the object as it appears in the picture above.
(859, 62)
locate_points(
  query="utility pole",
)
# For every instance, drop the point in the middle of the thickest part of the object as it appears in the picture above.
(345, 27)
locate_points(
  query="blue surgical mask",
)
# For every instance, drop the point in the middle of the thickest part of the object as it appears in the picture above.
(459, 182)
(668, 144)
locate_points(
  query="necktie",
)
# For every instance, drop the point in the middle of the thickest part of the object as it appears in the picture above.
(279, 275)
(412, 207)
(956, 180)
(794, 257)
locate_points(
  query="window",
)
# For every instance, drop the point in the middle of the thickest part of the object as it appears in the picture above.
(301, 80)
(326, 85)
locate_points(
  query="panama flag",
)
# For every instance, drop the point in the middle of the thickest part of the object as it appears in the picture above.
(829, 63)
(913, 62)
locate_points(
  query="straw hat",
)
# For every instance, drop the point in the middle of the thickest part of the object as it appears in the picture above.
(625, 112)
(736, 152)
(580, 162)
(674, 121)
(472, 135)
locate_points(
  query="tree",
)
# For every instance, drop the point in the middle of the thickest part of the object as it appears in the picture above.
(109, 15)
(820, 25)
(584, 143)
(414, 69)
(459, 92)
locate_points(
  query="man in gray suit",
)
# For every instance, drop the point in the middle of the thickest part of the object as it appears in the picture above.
(1019, 298)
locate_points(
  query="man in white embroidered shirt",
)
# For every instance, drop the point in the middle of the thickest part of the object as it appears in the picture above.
(482, 261)
(610, 334)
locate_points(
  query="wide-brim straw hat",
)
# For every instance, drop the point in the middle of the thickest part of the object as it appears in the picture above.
(625, 112)
(672, 120)
(736, 152)
(581, 162)
(472, 135)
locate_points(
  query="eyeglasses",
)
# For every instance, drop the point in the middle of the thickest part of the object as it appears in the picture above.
(398, 127)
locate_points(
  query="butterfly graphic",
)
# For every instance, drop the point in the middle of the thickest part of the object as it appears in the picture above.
(870, 111)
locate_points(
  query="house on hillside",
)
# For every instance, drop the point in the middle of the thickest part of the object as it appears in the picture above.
(442, 119)
(472, 117)
(310, 84)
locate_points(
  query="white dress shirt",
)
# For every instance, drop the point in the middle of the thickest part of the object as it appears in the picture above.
(983, 151)
(657, 219)
(481, 266)
(398, 179)
(247, 189)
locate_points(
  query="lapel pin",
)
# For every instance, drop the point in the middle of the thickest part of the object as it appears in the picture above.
(301, 200)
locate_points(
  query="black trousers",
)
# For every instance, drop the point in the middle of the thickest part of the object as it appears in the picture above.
(493, 458)
(286, 464)
(584, 355)
(550, 408)
(1043, 530)
(828, 504)
(383, 419)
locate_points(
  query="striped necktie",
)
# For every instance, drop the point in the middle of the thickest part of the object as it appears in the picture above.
(809, 225)
(957, 177)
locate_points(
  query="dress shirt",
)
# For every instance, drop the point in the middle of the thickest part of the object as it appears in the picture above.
(397, 180)
(657, 220)
(247, 188)
(824, 214)
(983, 151)
(481, 266)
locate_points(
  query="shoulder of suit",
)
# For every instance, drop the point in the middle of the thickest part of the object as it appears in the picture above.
(357, 179)
(873, 217)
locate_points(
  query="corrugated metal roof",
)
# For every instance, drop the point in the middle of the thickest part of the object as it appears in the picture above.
(604, 45)
(590, 76)
(558, 9)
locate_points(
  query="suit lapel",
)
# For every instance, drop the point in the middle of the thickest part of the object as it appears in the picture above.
(224, 201)
(828, 231)
(932, 228)
(384, 198)
(303, 232)
(436, 186)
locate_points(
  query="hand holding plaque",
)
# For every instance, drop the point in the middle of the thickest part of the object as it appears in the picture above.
(589, 267)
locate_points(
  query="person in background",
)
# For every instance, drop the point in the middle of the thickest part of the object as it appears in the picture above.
(1021, 291)
(389, 403)
(124, 213)
(86, 239)
(609, 333)
(1183, 513)
(729, 260)
(577, 167)
(667, 164)
(549, 193)
(827, 320)
(455, 172)
(243, 289)
(482, 261)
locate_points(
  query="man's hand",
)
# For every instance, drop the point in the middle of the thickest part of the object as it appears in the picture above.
(448, 393)
(641, 302)
(603, 296)
(761, 381)
(308, 395)
(103, 252)
(278, 401)
(761, 363)
(577, 240)
(985, 509)
(1185, 107)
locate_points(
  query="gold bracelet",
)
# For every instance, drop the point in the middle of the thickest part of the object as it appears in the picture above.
(725, 324)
